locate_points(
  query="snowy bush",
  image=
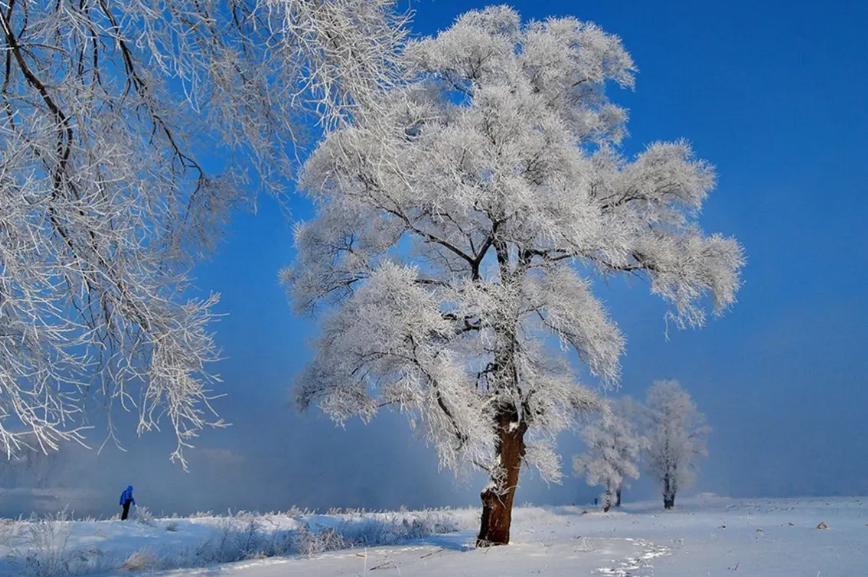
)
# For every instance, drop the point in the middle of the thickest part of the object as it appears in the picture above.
(141, 560)
(44, 548)
(296, 513)
(144, 516)
(379, 530)
(310, 543)
(242, 536)
(47, 539)
(8, 530)
(218, 548)
(248, 538)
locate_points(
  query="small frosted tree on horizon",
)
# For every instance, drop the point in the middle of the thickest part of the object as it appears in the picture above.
(453, 230)
(676, 433)
(613, 453)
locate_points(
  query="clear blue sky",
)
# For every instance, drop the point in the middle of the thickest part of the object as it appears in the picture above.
(775, 93)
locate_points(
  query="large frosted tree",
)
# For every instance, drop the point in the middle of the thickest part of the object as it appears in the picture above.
(456, 229)
(612, 456)
(675, 433)
(105, 110)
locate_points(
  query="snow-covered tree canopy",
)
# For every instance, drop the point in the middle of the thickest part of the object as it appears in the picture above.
(105, 110)
(613, 450)
(676, 433)
(454, 230)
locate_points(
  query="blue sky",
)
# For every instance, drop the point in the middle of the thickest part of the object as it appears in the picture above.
(775, 94)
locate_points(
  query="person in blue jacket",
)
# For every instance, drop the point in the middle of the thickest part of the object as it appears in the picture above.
(126, 501)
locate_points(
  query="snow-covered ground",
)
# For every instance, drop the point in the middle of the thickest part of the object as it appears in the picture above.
(703, 537)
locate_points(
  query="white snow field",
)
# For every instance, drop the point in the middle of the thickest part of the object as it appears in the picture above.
(702, 537)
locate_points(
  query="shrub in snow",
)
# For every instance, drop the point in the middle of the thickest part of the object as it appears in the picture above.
(248, 538)
(144, 516)
(394, 528)
(296, 513)
(141, 560)
(220, 546)
(242, 536)
(309, 543)
(47, 539)
(9, 528)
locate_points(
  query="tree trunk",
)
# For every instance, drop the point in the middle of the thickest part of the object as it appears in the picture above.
(668, 493)
(607, 500)
(498, 495)
(618, 497)
(669, 501)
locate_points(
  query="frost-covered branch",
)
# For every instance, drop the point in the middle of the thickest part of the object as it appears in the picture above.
(106, 111)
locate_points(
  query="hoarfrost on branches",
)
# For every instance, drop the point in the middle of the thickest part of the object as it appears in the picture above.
(105, 108)
(349, 51)
(676, 433)
(454, 228)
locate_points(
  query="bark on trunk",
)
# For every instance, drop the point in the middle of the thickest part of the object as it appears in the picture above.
(618, 497)
(668, 493)
(499, 494)
(607, 500)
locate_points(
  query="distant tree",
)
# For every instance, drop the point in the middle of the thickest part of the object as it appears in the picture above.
(612, 455)
(676, 433)
(629, 411)
(452, 231)
(105, 203)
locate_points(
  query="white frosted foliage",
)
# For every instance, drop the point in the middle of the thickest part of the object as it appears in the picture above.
(105, 110)
(455, 228)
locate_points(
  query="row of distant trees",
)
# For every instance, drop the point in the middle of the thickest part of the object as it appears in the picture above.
(667, 433)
